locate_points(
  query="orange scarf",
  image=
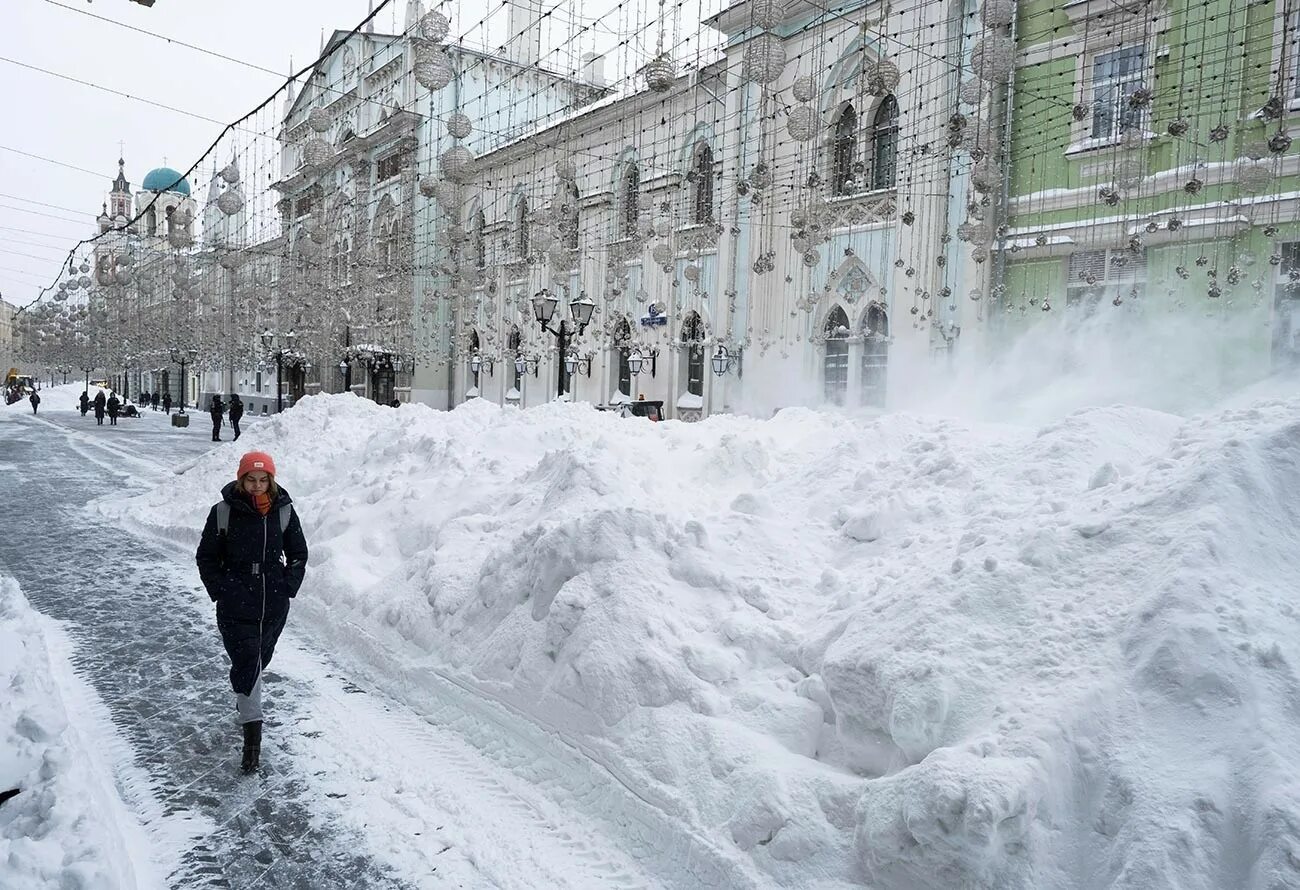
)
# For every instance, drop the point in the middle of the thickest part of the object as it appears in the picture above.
(262, 502)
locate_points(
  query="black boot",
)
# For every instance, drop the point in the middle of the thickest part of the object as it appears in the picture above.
(252, 746)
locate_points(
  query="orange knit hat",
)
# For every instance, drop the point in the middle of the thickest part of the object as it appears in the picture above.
(255, 460)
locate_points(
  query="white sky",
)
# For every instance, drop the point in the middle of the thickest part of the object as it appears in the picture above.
(78, 125)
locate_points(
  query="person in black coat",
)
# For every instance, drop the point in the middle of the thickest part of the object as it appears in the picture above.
(252, 571)
(216, 409)
(85, 403)
(114, 405)
(35, 400)
(100, 403)
(236, 413)
(166, 401)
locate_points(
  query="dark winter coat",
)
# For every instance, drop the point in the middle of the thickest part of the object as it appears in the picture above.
(253, 570)
(99, 405)
(216, 409)
(236, 409)
(166, 400)
(34, 399)
(85, 402)
(113, 406)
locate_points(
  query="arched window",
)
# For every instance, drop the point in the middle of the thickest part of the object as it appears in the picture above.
(480, 241)
(844, 152)
(622, 351)
(521, 228)
(569, 215)
(835, 368)
(631, 200)
(513, 345)
(693, 340)
(875, 355)
(473, 350)
(884, 144)
(702, 211)
(151, 221)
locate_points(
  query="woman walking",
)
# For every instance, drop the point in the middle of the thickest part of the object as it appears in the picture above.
(252, 558)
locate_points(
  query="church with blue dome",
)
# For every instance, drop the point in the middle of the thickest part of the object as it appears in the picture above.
(165, 179)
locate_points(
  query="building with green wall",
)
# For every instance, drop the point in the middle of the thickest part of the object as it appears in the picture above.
(1151, 170)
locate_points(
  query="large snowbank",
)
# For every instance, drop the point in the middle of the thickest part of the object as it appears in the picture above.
(67, 826)
(901, 651)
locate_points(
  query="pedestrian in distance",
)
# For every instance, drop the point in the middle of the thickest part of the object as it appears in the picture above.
(153, 400)
(235, 413)
(216, 409)
(167, 403)
(100, 404)
(114, 406)
(35, 400)
(85, 403)
(252, 559)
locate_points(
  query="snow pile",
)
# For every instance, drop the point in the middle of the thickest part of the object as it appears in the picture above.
(908, 651)
(67, 826)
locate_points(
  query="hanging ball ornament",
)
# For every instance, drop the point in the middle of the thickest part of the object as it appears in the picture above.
(319, 119)
(316, 153)
(804, 89)
(457, 164)
(764, 58)
(971, 91)
(230, 173)
(993, 58)
(448, 194)
(1178, 127)
(880, 78)
(459, 125)
(434, 26)
(999, 13)
(811, 257)
(231, 201)
(659, 73)
(692, 272)
(433, 70)
(765, 14)
(428, 186)
(1279, 142)
(662, 254)
(802, 123)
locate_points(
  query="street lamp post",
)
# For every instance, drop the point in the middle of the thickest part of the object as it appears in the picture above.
(183, 357)
(269, 342)
(544, 304)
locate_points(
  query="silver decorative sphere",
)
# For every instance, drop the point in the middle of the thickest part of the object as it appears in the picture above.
(993, 58)
(659, 73)
(764, 58)
(123, 260)
(316, 153)
(433, 70)
(802, 123)
(434, 26)
(457, 164)
(804, 89)
(230, 173)
(319, 119)
(428, 186)
(881, 78)
(179, 237)
(1253, 176)
(448, 194)
(84, 267)
(459, 125)
(811, 258)
(231, 201)
(999, 13)
(84, 282)
(971, 92)
(765, 14)
(124, 276)
(692, 272)
(663, 227)
(662, 254)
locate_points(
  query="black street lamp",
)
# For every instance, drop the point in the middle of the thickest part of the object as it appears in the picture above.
(269, 343)
(525, 363)
(544, 304)
(182, 357)
(724, 361)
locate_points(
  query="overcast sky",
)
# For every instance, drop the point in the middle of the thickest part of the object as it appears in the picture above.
(45, 207)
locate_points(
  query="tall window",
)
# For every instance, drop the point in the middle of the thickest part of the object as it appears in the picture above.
(388, 167)
(884, 144)
(693, 340)
(844, 150)
(473, 350)
(1115, 75)
(631, 200)
(875, 356)
(702, 212)
(521, 228)
(836, 366)
(480, 241)
(513, 347)
(568, 216)
(623, 349)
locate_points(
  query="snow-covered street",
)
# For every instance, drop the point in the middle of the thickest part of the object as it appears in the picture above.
(357, 790)
(557, 648)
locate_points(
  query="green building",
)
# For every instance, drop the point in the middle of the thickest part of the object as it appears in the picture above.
(1151, 167)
